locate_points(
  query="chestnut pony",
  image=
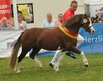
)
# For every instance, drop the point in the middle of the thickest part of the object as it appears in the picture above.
(63, 37)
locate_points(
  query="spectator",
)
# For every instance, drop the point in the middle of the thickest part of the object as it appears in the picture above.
(59, 20)
(11, 22)
(21, 22)
(93, 19)
(5, 25)
(22, 26)
(101, 13)
(100, 19)
(97, 13)
(49, 22)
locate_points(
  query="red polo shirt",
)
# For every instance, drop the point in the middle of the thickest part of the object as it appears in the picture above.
(67, 15)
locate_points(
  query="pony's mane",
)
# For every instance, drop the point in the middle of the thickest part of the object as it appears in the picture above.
(73, 20)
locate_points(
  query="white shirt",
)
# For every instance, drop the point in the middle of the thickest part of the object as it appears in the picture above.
(23, 24)
(45, 23)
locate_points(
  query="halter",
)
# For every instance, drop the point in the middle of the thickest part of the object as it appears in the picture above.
(68, 32)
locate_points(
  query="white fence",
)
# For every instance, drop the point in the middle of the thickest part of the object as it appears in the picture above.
(6, 40)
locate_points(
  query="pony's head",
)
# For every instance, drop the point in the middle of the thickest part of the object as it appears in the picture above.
(87, 24)
(77, 21)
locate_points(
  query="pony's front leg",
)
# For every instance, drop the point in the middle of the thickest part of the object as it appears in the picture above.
(85, 61)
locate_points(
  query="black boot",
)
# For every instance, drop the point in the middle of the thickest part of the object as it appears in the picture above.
(71, 54)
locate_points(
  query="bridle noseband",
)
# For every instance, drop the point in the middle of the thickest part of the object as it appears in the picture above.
(88, 29)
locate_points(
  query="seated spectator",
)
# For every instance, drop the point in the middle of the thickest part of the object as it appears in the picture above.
(49, 22)
(97, 13)
(100, 19)
(101, 13)
(93, 19)
(5, 25)
(59, 20)
(21, 22)
(11, 22)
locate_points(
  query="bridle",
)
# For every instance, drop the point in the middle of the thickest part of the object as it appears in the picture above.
(85, 22)
(88, 29)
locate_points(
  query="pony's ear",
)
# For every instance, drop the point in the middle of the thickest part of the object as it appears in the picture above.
(87, 14)
(85, 18)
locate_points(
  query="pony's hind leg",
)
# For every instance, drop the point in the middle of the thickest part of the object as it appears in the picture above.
(32, 56)
(20, 58)
(39, 63)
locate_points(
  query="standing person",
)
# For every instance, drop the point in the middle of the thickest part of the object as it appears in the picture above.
(69, 13)
(21, 22)
(49, 22)
(59, 20)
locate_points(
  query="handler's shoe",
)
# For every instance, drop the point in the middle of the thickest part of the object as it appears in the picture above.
(71, 54)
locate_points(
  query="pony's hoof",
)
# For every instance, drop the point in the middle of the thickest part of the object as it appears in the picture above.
(51, 65)
(86, 65)
(18, 71)
(57, 69)
(41, 66)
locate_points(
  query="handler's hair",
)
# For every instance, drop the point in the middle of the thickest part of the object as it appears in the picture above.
(74, 1)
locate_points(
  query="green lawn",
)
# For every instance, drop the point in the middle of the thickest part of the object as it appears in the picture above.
(70, 70)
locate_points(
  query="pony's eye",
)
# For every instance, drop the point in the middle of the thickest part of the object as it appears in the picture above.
(84, 20)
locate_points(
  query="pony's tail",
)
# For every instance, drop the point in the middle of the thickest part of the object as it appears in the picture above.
(15, 52)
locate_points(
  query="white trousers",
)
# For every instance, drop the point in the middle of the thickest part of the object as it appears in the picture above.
(80, 40)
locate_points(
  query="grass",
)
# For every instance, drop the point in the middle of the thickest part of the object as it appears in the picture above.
(70, 70)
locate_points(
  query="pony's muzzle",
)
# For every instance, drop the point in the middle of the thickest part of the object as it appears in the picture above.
(92, 30)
